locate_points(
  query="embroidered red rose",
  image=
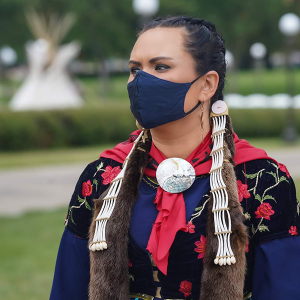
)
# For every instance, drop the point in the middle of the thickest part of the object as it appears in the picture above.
(293, 230)
(200, 246)
(247, 247)
(264, 211)
(87, 188)
(185, 288)
(190, 227)
(284, 169)
(110, 174)
(130, 263)
(242, 191)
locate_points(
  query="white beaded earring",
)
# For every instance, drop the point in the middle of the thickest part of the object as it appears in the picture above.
(225, 254)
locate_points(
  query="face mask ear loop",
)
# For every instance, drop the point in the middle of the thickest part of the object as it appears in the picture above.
(195, 79)
(199, 103)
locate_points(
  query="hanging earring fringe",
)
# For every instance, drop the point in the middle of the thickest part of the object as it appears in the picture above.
(109, 201)
(225, 255)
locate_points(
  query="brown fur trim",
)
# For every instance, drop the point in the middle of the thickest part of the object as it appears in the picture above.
(225, 282)
(109, 277)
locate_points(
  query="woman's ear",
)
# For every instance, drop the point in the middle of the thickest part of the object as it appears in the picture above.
(209, 85)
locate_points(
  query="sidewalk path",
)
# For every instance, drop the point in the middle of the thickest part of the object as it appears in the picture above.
(37, 188)
(51, 187)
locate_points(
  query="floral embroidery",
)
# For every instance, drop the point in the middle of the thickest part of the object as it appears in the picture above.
(247, 247)
(293, 230)
(130, 263)
(284, 169)
(87, 188)
(264, 211)
(199, 210)
(110, 174)
(190, 227)
(242, 191)
(200, 246)
(185, 288)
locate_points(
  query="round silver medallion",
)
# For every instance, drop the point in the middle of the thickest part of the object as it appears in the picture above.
(175, 175)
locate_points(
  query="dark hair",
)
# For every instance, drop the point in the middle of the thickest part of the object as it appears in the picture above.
(203, 42)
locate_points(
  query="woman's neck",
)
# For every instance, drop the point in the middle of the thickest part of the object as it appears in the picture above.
(180, 138)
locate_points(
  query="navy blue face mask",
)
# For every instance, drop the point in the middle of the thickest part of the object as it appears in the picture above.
(155, 102)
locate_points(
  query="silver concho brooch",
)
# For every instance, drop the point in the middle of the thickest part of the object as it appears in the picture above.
(175, 175)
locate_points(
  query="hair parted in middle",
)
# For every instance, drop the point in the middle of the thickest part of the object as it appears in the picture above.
(207, 47)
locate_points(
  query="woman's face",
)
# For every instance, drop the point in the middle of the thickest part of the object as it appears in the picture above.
(160, 52)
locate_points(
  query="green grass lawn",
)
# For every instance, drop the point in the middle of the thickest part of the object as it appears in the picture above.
(9, 160)
(28, 252)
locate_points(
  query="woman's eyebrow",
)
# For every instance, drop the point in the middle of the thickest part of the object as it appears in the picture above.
(134, 62)
(153, 60)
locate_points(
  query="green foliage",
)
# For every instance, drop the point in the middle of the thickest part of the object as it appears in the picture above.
(64, 128)
(110, 124)
(261, 123)
(108, 28)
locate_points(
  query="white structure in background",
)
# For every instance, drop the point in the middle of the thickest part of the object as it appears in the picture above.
(289, 24)
(258, 51)
(8, 56)
(145, 8)
(297, 101)
(48, 85)
(256, 101)
(277, 101)
(229, 59)
(47, 88)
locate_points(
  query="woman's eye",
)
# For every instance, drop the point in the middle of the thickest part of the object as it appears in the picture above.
(133, 71)
(161, 67)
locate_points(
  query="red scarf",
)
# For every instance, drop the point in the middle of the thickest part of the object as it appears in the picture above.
(172, 216)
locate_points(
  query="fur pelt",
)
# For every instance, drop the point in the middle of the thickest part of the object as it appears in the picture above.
(109, 277)
(225, 282)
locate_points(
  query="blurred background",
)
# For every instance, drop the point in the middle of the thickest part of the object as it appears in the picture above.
(63, 100)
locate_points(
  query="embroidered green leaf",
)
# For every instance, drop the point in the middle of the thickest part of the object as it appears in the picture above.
(198, 208)
(98, 168)
(131, 277)
(283, 178)
(247, 216)
(260, 174)
(80, 199)
(95, 182)
(269, 197)
(250, 176)
(274, 165)
(258, 197)
(87, 205)
(273, 174)
(71, 216)
(253, 229)
(263, 228)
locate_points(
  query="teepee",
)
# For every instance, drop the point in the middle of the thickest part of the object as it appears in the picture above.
(48, 85)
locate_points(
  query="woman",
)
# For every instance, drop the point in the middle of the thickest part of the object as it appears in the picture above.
(220, 222)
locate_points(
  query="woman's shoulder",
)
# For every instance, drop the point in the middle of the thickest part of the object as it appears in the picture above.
(268, 196)
(93, 181)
